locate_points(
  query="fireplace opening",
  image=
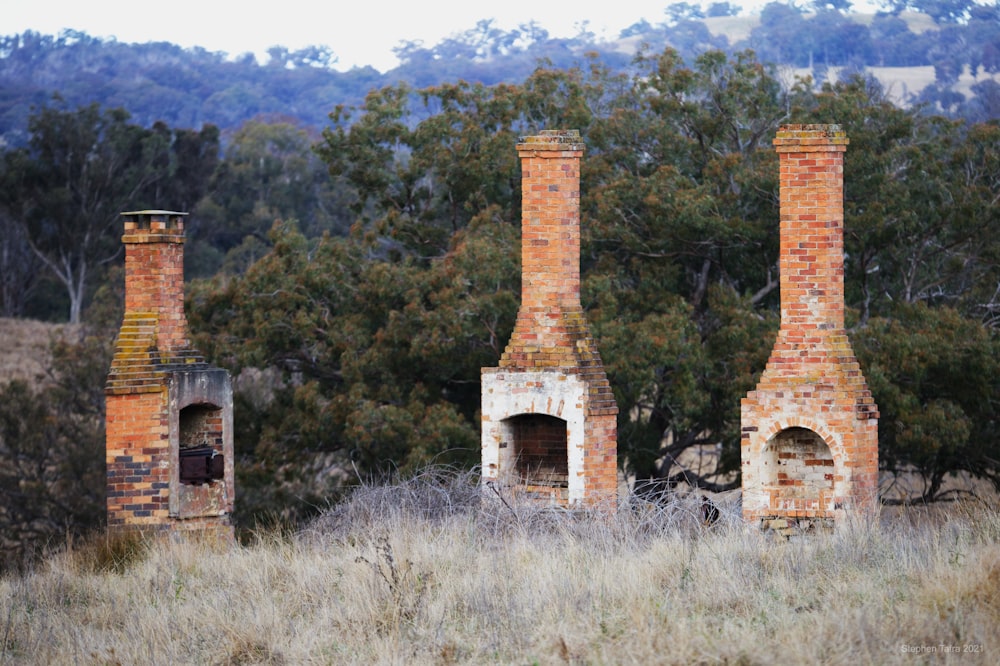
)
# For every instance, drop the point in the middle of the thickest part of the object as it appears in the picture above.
(200, 444)
(797, 469)
(541, 453)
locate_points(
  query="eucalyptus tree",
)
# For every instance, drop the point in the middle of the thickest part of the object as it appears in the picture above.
(377, 337)
(268, 172)
(79, 171)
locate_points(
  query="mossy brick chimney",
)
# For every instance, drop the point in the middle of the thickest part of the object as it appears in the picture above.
(549, 416)
(809, 444)
(169, 441)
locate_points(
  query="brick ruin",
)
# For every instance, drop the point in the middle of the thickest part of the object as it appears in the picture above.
(809, 447)
(549, 418)
(169, 424)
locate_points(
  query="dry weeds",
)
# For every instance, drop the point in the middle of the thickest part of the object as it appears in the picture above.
(425, 573)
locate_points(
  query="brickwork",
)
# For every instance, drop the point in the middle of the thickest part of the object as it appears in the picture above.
(542, 454)
(201, 426)
(138, 464)
(809, 443)
(551, 365)
(155, 375)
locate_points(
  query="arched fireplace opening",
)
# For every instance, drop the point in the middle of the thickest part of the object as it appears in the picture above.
(797, 470)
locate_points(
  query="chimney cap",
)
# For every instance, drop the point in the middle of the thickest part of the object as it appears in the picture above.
(154, 213)
(553, 136)
(811, 138)
(560, 141)
(153, 226)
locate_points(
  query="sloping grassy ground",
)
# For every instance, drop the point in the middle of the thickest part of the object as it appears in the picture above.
(24, 347)
(425, 573)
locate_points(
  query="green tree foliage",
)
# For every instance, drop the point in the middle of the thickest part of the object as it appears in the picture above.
(379, 357)
(268, 172)
(934, 374)
(52, 444)
(374, 340)
(81, 169)
(52, 486)
(683, 244)
(380, 335)
(19, 267)
(919, 193)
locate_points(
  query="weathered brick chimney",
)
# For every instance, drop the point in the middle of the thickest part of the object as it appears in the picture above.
(169, 429)
(549, 416)
(810, 429)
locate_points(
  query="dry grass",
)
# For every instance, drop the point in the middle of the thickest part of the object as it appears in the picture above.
(423, 573)
(738, 28)
(24, 348)
(901, 84)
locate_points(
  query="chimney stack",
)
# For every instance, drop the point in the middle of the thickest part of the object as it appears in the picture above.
(549, 416)
(809, 443)
(169, 433)
(154, 273)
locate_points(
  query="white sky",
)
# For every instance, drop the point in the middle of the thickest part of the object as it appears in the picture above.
(359, 32)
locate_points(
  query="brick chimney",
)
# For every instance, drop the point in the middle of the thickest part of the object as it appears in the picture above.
(809, 443)
(169, 442)
(549, 416)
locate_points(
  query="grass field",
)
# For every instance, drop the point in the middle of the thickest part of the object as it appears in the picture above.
(425, 573)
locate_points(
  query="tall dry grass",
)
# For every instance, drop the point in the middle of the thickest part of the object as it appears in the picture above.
(425, 573)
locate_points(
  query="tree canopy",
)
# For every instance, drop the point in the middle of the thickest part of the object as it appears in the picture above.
(378, 336)
(81, 169)
(192, 87)
(357, 280)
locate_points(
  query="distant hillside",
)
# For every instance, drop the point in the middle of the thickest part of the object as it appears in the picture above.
(737, 28)
(903, 84)
(915, 58)
(24, 348)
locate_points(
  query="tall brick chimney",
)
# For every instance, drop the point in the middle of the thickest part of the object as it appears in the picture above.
(549, 416)
(169, 431)
(809, 443)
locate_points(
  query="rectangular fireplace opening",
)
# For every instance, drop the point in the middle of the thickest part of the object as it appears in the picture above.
(540, 450)
(201, 459)
(201, 447)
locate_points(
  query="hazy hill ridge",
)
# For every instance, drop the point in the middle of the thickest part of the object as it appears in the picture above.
(910, 53)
